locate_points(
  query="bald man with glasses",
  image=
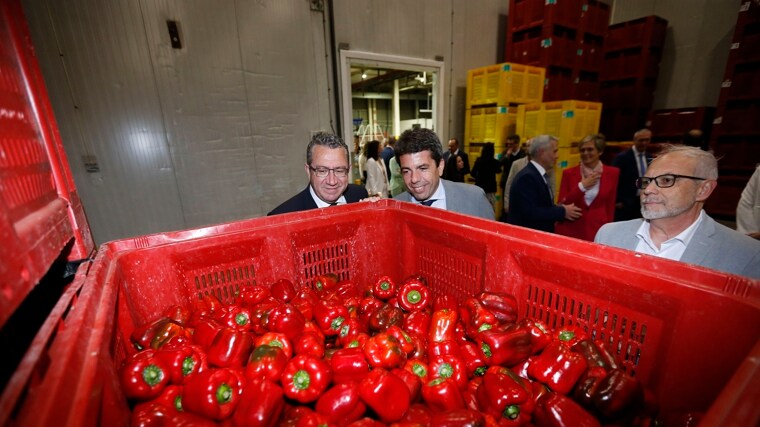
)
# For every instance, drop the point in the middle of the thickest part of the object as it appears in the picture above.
(327, 166)
(674, 225)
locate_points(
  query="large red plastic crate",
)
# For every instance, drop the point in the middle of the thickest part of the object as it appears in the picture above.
(41, 214)
(683, 331)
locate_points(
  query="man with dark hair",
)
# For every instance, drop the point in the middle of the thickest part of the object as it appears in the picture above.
(451, 170)
(387, 154)
(328, 168)
(675, 226)
(511, 153)
(420, 155)
(632, 164)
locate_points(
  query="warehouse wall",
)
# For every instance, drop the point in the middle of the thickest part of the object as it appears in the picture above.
(164, 139)
(696, 47)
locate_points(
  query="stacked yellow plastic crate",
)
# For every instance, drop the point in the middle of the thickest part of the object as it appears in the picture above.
(493, 94)
(568, 120)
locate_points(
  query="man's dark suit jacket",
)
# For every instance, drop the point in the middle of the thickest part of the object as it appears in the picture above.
(531, 204)
(506, 164)
(627, 193)
(303, 200)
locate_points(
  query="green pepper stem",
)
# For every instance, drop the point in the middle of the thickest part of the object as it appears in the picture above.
(301, 379)
(512, 412)
(223, 394)
(152, 375)
(413, 297)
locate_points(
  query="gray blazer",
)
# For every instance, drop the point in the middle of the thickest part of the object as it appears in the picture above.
(462, 198)
(713, 246)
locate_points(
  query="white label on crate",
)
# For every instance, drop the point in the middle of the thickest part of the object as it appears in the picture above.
(744, 7)
(503, 110)
(726, 83)
(567, 114)
(735, 45)
(718, 120)
(546, 42)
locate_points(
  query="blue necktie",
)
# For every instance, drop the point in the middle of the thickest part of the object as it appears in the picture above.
(642, 165)
(428, 202)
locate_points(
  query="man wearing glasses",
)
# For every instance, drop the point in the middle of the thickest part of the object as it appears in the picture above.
(327, 165)
(674, 226)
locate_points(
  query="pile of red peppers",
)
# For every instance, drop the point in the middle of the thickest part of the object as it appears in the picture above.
(338, 354)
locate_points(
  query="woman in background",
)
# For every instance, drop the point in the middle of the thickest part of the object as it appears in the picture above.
(592, 186)
(377, 181)
(484, 171)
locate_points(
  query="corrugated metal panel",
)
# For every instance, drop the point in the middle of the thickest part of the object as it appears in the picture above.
(107, 107)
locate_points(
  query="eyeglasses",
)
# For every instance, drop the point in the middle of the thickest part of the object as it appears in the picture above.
(663, 181)
(322, 172)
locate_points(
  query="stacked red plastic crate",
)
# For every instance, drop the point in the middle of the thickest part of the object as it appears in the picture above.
(735, 134)
(629, 74)
(564, 36)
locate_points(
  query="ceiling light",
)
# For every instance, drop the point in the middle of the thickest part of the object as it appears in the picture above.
(364, 75)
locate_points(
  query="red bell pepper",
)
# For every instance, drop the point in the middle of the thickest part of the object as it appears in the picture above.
(418, 368)
(505, 347)
(474, 361)
(183, 361)
(155, 334)
(357, 341)
(349, 330)
(151, 414)
(304, 302)
(266, 361)
(230, 348)
(213, 393)
(385, 317)
(442, 395)
(385, 394)
(476, 317)
(384, 289)
(404, 340)
(310, 344)
(411, 380)
(384, 351)
(505, 396)
(329, 316)
(325, 282)
(347, 289)
(451, 367)
(470, 393)
(557, 410)
(349, 365)
(570, 335)
(205, 332)
(367, 307)
(235, 316)
(540, 334)
(249, 296)
(417, 415)
(558, 367)
(276, 339)
(178, 314)
(445, 301)
(413, 296)
(286, 319)
(502, 305)
(187, 419)
(144, 375)
(417, 322)
(313, 419)
(260, 315)
(618, 396)
(366, 422)
(283, 290)
(458, 418)
(436, 349)
(261, 405)
(305, 378)
(341, 404)
(443, 326)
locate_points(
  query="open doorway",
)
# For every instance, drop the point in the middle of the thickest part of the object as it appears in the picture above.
(383, 95)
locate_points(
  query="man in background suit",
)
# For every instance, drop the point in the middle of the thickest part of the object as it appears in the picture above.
(387, 154)
(673, 193)
(451, 170)
(419, 153)
(328, 168)
(531, 202)
(632, 164)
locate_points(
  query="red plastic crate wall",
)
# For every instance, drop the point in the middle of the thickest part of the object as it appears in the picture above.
(671, 125)
(631, 64)
(736, 129)
(37, 219)
(566, 37)
(645, 308)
